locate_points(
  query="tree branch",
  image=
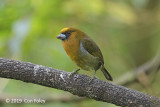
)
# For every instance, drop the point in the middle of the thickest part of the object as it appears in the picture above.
(77, 85)
(147, 68)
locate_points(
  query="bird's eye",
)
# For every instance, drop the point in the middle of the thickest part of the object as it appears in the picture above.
(68, 33)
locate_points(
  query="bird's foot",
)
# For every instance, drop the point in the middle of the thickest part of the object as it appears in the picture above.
(94, 76)
(74, 72)
(91, 79)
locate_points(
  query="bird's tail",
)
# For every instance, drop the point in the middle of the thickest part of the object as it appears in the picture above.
(106, 73)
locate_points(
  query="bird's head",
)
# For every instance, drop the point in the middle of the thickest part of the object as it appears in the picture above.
(68, 32)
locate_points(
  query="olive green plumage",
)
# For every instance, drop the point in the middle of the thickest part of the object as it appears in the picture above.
(83, 50)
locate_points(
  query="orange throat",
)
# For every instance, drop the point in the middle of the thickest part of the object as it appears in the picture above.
(72, 48)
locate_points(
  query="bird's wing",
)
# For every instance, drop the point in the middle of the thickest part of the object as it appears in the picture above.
(91, 47)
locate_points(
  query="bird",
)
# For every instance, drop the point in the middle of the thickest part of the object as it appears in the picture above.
(83, 51)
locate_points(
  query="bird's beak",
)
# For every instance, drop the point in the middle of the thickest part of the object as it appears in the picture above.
(61, 36)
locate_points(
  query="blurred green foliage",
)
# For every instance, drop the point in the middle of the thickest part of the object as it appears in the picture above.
(127, 32)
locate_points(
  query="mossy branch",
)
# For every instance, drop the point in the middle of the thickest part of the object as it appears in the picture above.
(77, 85)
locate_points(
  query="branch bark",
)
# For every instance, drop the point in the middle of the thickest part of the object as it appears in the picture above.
(77, 85)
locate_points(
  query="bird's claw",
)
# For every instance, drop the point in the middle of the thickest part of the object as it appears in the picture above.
(91, 79)
(74, 72)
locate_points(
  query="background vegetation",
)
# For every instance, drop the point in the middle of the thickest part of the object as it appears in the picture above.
(127, 32)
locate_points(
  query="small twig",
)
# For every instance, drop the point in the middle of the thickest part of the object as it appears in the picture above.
(149, 67)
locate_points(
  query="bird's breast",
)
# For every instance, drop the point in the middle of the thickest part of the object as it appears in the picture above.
(72, 48)
(80, 56)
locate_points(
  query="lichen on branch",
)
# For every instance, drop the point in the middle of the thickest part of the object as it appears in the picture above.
(78, 84)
